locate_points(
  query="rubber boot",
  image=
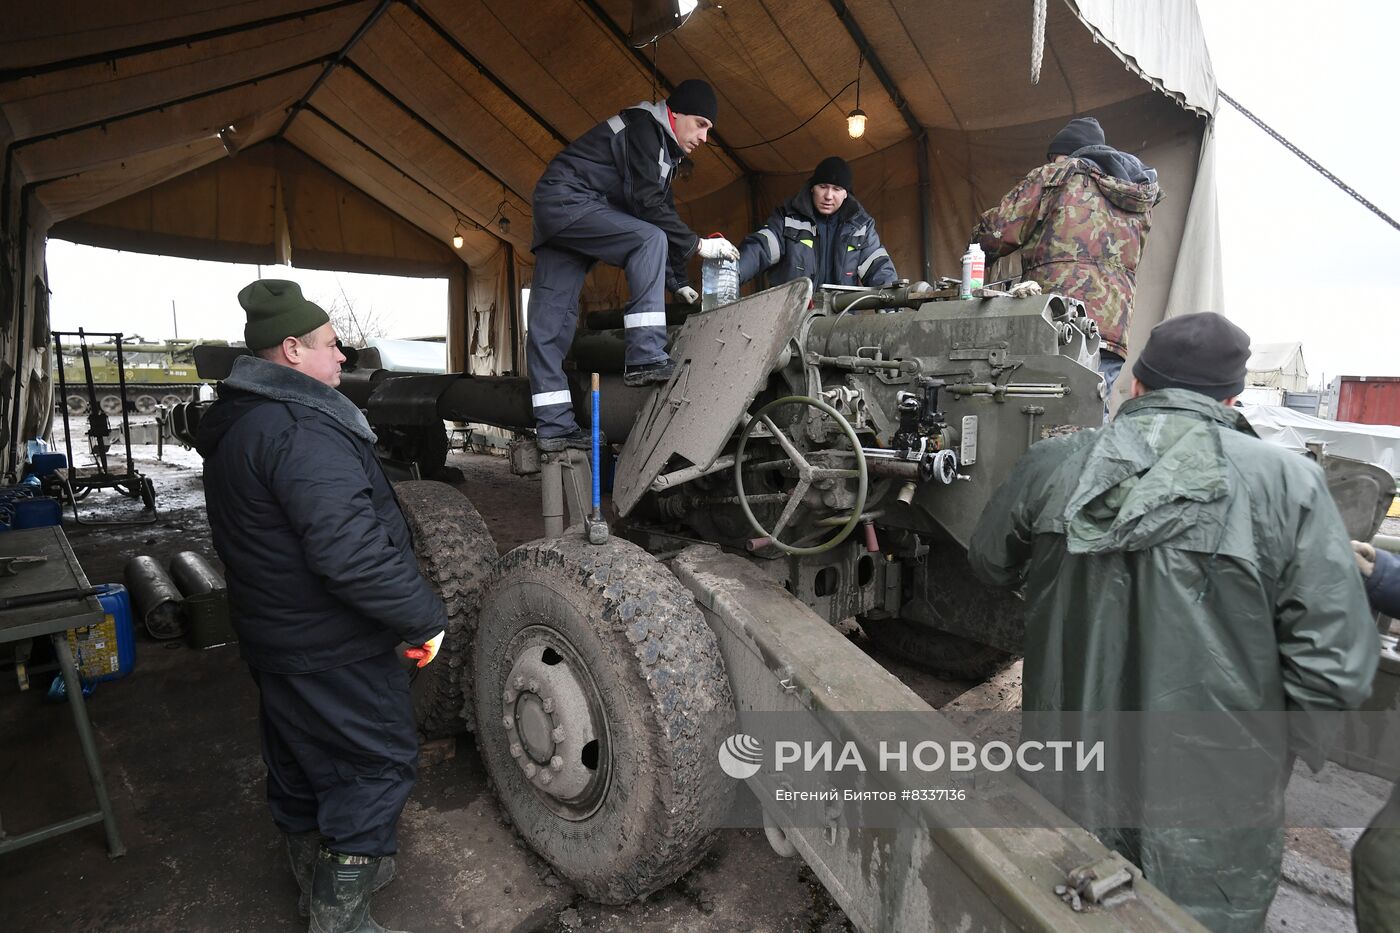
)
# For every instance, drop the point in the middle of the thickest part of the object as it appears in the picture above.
(302, 849)
(340, 893)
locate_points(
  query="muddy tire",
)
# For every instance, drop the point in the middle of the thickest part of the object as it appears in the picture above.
(601, 703)
(940, 653)
(456, 555)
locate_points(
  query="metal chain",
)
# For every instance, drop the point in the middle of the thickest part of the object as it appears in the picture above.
(1313, 163)
(1037, 40)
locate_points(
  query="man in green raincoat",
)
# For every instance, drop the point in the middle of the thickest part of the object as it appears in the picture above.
(1176, 565)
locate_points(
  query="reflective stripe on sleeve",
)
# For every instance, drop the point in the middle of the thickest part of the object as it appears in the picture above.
(870, 261)
(546, 399)
(617, 124)
(770, 239)
(644, 319)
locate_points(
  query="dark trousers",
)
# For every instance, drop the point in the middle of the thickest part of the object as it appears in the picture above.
(561, 264)
(1375, 871)
(341, 748)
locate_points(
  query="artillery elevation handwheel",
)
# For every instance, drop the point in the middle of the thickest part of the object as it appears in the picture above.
(601, 703)
(456, 555)
(807, 474)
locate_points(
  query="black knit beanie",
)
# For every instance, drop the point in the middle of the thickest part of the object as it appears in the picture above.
(832, 170)
(1078, 133)
(694, 97)
(1201, 352)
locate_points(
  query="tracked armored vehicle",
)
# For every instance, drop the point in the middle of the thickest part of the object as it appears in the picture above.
(161, 373)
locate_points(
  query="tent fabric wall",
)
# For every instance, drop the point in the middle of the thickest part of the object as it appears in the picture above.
(1163, 41)
(233, 209)
(487, 349)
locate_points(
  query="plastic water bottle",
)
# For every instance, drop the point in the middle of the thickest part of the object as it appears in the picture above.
(974, 270)
(719, 283)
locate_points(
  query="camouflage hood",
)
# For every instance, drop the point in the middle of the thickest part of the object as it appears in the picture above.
(1124, 181)
(1152, 473)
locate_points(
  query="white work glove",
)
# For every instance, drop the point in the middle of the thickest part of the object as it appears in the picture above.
(424, 655)
(717, 247)
(687, 295)
(1365, 556)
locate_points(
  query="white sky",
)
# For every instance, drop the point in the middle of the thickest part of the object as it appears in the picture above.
(1302, 260)
(102, 289)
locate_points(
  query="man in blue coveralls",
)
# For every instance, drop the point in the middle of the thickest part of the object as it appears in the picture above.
(607, 196)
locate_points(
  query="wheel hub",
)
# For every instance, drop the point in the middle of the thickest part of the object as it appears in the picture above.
(534, 726)
(553, 722)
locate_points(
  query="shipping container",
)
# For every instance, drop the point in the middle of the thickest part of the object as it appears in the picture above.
(1365, 399)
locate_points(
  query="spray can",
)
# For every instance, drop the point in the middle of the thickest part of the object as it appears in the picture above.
(974, 270)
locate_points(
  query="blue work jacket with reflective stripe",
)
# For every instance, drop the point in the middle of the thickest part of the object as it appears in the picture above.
(627, 162)
(787, 246)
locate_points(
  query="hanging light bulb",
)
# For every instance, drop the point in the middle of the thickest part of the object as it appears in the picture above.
(457, 241)
(855, 123)
(855, 120)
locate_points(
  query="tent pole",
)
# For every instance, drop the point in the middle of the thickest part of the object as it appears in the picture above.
(339, 57)
(514, 310)
(925, 204)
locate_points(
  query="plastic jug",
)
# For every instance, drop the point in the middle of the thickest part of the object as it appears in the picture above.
(719, 283)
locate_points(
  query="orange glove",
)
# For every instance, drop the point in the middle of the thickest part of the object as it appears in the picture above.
(429, 650)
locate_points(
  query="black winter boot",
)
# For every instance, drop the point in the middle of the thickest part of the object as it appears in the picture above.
(302, 849)
(340, 893)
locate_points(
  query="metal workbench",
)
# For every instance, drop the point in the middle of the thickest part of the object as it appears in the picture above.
(59, 571)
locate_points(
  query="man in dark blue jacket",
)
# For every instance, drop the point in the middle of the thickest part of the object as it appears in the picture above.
(323, 585)
(607, 196)
(1375, 859)
(822, 233)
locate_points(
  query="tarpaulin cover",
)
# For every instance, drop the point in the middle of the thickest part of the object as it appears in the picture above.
(1369, 443)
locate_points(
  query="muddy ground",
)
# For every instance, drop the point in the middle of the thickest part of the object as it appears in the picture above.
(178, 741)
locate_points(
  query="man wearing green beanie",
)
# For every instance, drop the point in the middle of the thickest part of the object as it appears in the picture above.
(323, 585)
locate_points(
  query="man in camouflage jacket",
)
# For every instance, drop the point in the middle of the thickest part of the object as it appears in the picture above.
(1080, 221)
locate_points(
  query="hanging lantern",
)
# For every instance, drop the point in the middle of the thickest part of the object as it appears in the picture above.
(855, 123)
